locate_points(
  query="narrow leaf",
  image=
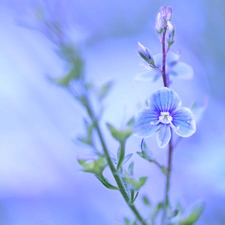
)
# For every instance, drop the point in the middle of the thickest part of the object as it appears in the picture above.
(193, 216)
(127, 157)
(120, 155)
(146, 201)
(131, 168)
(106, 183)
(135, 197)
(105, 90)
(126, 221)
(85, 140)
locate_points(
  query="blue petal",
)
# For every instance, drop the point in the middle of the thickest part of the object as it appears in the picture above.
(158, 60)
(184, 123)
(171, 59)
(164, 135)
(148, 75)
(164, 100)
(182, 70)
(143, 120)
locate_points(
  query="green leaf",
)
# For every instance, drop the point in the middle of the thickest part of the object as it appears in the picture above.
(74, 74)
(119, 135)
(193, 216)
(127, 157)
(135, 184)
(143, 154)
(85, 140)
(120, 155)
(126, 221)
(146, 201)
(106, 183)
(131, 168)
(157, 209)
(95, 166)
(102, 93)
(134, 198)
(130, 122)
(88, 138)
(164, 170)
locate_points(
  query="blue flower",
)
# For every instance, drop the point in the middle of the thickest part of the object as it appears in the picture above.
(174, 68)
(164, 112)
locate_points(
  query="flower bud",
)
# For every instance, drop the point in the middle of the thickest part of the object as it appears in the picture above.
(170, 33)
(163, 17)
(145, 54)
(169, 14)
(159, 23)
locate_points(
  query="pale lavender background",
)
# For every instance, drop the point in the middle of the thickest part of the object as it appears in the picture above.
(40, 179)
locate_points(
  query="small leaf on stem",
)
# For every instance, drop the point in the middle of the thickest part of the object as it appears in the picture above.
(106, 183)
(104, 90)
(193, 215)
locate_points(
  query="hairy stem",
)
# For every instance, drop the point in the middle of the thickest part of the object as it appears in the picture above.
(116, 176)
(164, 58)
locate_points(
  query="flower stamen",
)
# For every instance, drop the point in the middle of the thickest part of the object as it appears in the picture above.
(165, 118)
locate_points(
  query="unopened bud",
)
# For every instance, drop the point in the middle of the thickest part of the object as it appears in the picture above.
(145, 54)
(170, 34)
(163, 17)
(159, 24)
(169, 14)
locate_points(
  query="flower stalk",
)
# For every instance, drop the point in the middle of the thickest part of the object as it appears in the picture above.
(164, 53)
(116, 176)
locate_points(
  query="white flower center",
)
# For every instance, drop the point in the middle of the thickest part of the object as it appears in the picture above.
(165, 118)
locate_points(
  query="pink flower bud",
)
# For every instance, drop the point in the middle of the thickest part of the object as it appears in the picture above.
(159, 23)
(169, 14)
(162, 18)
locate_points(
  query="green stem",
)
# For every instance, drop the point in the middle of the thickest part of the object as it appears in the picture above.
(169, 168)
(116, 176)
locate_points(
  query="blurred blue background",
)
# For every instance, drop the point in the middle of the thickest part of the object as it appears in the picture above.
(40, 179)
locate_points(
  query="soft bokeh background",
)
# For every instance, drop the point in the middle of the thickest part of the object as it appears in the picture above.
(40, 179)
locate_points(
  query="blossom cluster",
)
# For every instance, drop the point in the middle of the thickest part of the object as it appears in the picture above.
(164, 112)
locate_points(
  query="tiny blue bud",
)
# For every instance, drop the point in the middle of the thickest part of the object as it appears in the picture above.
(145, 54)
(170, 33)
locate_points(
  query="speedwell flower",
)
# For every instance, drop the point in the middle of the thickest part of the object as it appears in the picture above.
(164, 112)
